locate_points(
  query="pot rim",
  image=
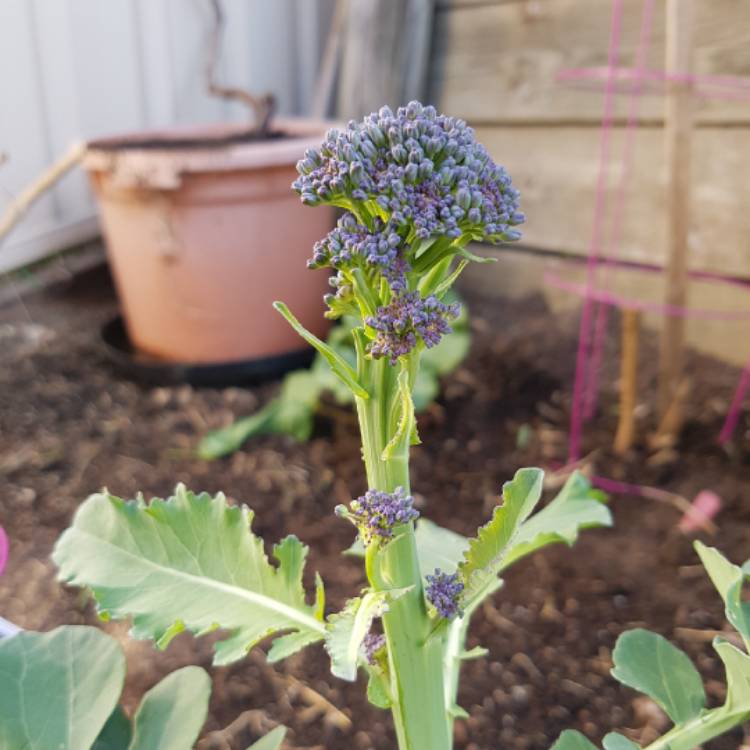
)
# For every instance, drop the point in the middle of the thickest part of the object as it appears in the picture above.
(303, 133)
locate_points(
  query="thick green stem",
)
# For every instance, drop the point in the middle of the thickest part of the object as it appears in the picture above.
(415, 661)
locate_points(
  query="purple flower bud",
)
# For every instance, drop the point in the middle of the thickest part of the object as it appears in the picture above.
(415, 156)
(426, 168)
(399, 153)
(446, 177)
(413, 110)
(463, 198)
(407, 319)
(376, 134)
(355, 172)
(443, 591)
(376, 514)
(369, 149)
(313, 156)
(348, 222)
(432, 146)
(373, 643)
(411, 172)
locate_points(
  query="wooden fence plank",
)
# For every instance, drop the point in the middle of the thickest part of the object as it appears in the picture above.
(499, 62)
(556, 167)
(678, 134)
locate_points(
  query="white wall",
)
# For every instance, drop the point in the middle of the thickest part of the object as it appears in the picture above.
(77, 69)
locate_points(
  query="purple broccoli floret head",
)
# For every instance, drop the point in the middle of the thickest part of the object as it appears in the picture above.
(443, 591)
(377, 513)
(407, 318)
(426, 173)
(371, 644)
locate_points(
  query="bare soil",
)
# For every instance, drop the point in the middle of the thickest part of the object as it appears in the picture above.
(70, 424)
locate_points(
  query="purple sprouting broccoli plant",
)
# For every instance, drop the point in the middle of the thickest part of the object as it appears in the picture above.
(416, 188)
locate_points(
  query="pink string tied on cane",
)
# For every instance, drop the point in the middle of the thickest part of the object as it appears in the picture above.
(4, 549)
(604, 249)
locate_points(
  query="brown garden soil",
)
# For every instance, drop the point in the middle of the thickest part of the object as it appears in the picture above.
(69, 425)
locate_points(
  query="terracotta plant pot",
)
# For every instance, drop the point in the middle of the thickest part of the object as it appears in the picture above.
(203, 233)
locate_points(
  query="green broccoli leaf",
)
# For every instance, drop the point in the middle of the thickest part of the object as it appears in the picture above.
(226, 440)
(189, 562)
(728, 580)
(650, 664)
(376, 692)
(615, 741)
(737, 665)
(338, 364)
(172, 713)
(449, 353)
(438, 547)
(426, 389)
(347, 630)
(577, 506)
(59, 688)
(572, 740)
(116, 733)
(292, 412)
(486, 554)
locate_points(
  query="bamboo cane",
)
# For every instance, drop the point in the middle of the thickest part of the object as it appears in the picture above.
(631, 320)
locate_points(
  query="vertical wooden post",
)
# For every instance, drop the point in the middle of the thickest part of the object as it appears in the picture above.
(631, 320)
(678, 127)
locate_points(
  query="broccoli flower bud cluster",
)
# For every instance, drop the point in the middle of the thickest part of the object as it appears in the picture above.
(372, 643)
(349, 241)
(443, 592)
(377, 513)
(425, 171)
(417, 187)
(406, 318)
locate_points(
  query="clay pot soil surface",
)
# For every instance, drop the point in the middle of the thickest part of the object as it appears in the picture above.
(69, 424)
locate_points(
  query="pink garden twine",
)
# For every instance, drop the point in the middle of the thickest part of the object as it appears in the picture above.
(606, 297)
(600, 203)
(636, 81)
(627, 80)
(609, 298)
(705, 506)
(696, 515)
(4, 549)
(612, 247)
(733, 416)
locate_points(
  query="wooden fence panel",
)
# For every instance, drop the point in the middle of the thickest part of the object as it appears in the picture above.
(556, 170)
(495, 63)
(499, 62)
